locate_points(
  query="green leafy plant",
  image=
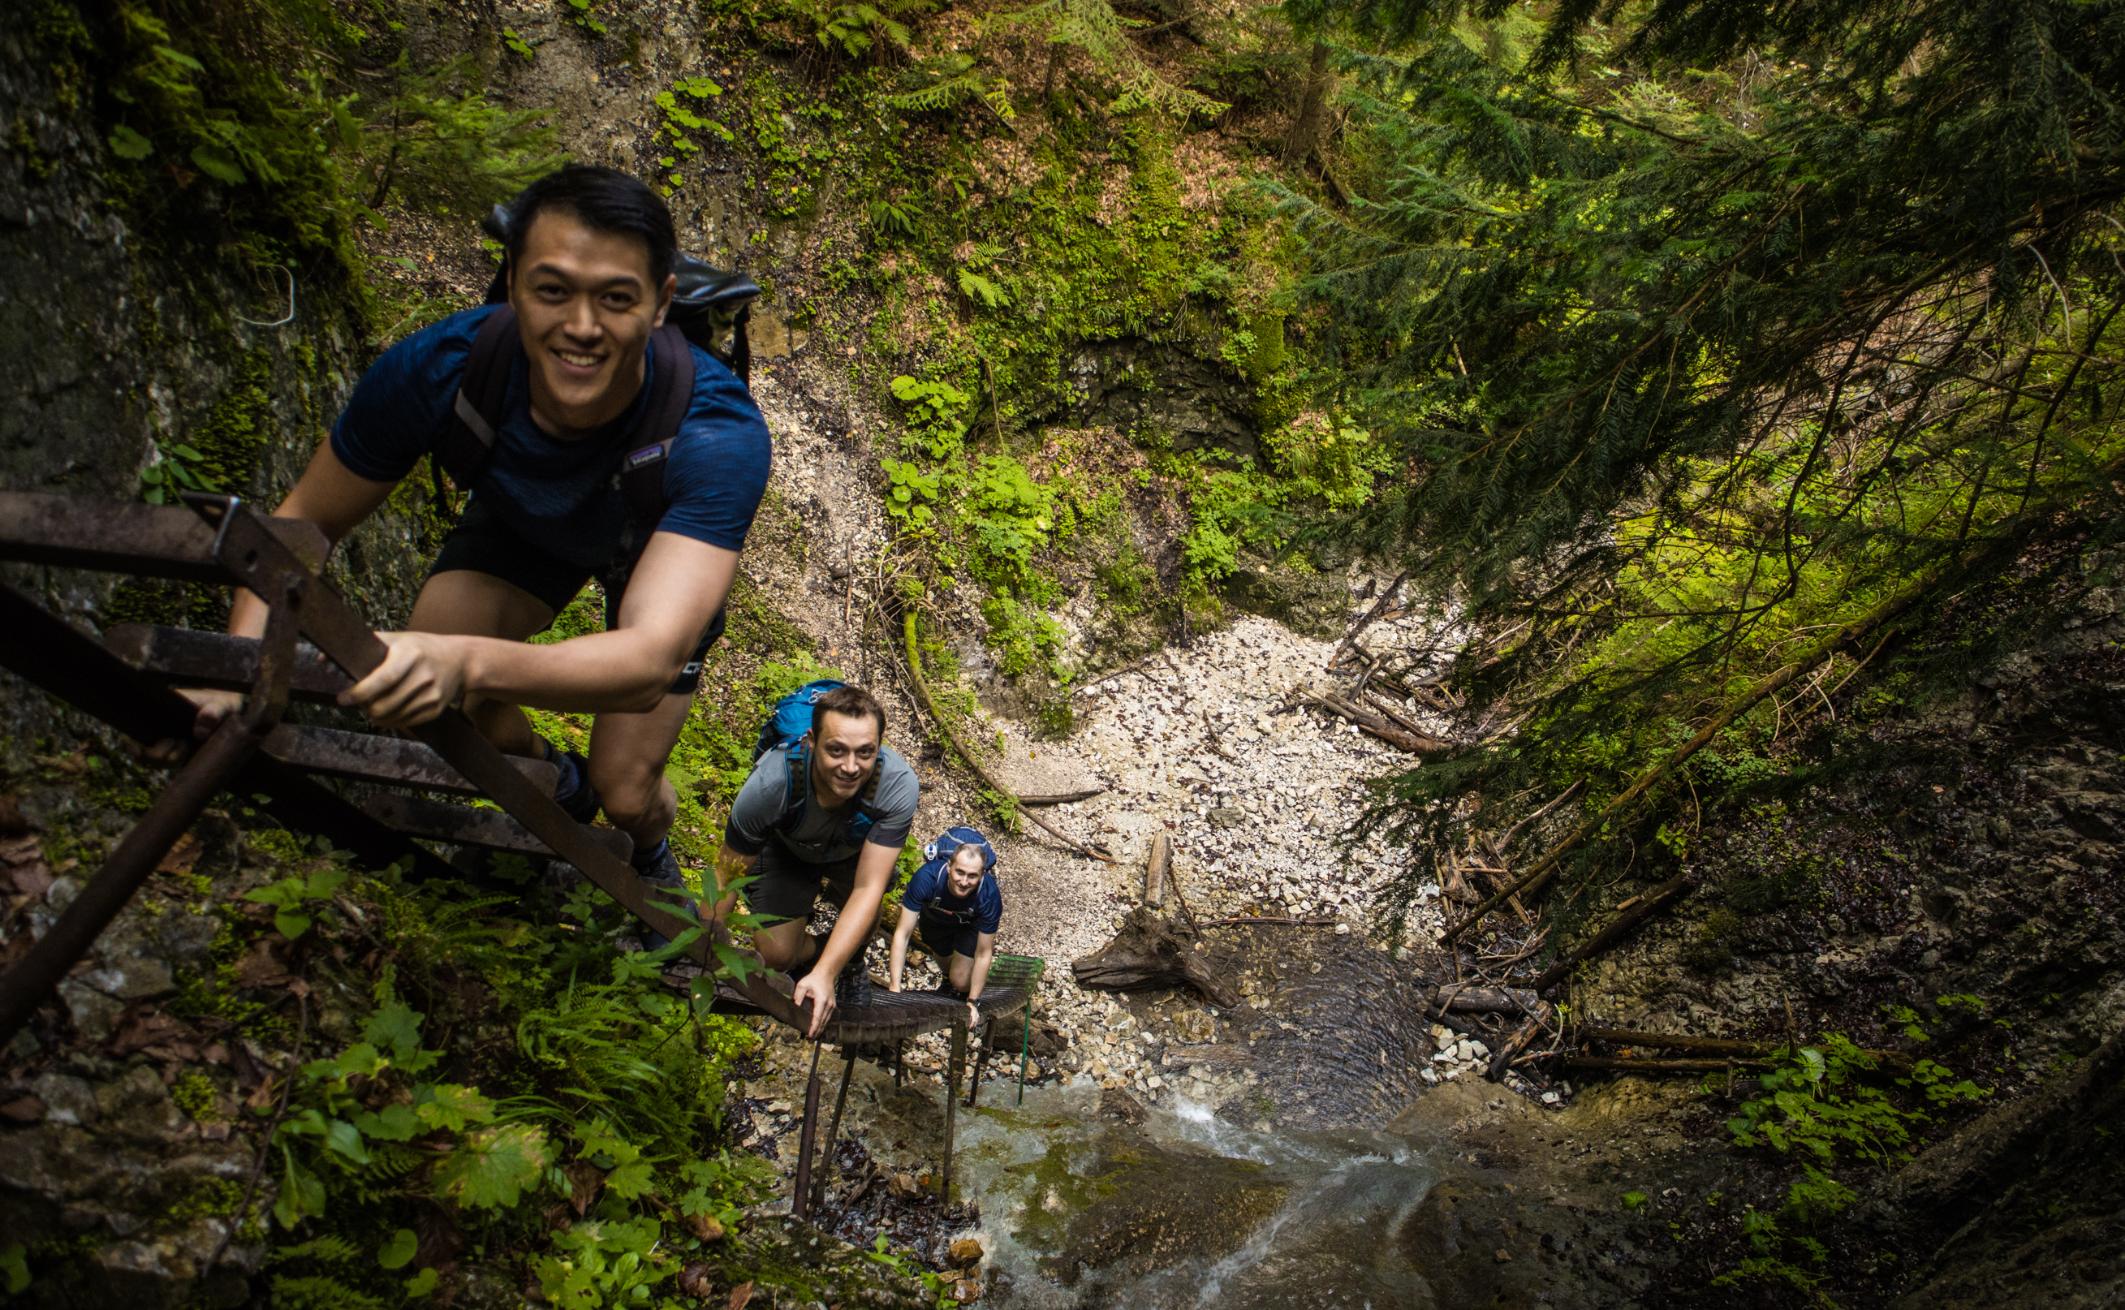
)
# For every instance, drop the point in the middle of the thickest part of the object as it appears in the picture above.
(935, 424)
(600, 1263)
(856, 30)
(583, 13)
(297, 899)
(173, 471)
(680, 121)
(911, 494)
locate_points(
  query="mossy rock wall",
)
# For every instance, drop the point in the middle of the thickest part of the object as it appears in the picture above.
(125, 325)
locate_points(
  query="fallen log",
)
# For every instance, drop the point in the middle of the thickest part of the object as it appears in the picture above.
(1041, 798)
(1618, 1064)
(1486, 1000)
(1729, 1046)
(1150, 952)
(1284, 919)
(1375, 725)
(1155, 870)
(1620, 927)
(1502, 1057)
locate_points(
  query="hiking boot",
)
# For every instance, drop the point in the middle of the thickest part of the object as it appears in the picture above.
(666, 886)
(572, 791)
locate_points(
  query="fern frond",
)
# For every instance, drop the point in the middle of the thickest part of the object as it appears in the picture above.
(331, 1249)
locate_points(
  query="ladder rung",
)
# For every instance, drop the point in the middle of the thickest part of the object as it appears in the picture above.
(464, 826)
(215, 659)
(367, 757)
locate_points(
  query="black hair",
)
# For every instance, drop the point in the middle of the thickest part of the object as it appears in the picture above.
(850, 702)
(606, 200)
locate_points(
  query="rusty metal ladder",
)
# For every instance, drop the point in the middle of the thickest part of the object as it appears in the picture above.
(315, 643)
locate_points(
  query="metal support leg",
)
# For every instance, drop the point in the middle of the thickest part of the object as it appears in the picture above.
(833, 1135)
(231, 746)
(981, 1062)
(953, 1068)
(900, 1050)
(1025, 1048)
(801, 1202)
(32, 979)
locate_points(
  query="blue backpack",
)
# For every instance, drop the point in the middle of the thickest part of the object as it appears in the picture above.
(788, 729)
(948, 843)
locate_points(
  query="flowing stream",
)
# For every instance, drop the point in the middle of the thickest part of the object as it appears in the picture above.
(1183, 1209)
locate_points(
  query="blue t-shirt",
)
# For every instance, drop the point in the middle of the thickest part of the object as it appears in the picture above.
(930, 896)
(560, 494)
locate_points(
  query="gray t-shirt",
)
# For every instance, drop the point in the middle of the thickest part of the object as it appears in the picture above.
(819, 835)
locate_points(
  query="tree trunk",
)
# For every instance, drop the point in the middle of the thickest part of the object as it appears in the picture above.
(1150, 952)
(1306, 125)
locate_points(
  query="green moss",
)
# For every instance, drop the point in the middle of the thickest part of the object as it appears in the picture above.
(195, 1094)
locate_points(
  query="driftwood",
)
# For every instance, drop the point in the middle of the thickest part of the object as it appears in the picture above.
(1031, 799)
(1713, 1046)
(1217, 738)
(1617, 1064)
(1180, 898)
(1416, 743)
(1634, 912)
(1505, 840)
(1283, 919)
(1486, 1000)
(944, 726)
(1155, 868)
(1379, 607)
(1150, 952)
(1501, 1057)
(1545, 867)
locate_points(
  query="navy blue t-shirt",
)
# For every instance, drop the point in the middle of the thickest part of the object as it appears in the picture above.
(930, 896)
(560, 494)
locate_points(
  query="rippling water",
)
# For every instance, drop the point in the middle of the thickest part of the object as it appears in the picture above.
(1188, 1210)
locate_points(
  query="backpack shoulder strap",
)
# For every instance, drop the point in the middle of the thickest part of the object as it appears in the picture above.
(798, 785)
(481, 396)
(671, 392)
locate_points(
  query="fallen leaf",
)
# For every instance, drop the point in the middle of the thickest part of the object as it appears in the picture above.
(24, 1109)
(585, 1181)
(263, 1097)
(262, 965)
(180, 858)
(704, 1226)
(740, 1295)
(23, 859)
(696, 1282)
(152, 1030)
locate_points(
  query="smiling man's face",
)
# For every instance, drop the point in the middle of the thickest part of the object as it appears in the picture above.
(585, 310)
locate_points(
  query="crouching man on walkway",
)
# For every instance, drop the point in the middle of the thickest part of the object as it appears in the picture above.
(828, 813)
(953, 900)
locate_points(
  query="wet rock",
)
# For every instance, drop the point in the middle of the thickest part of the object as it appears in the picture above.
(1120, 1106)
(965, 1252)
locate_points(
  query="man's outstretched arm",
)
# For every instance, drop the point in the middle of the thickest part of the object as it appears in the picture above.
(859, 914)
(676, 588)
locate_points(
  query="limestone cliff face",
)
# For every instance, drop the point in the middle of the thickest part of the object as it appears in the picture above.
(134, 322)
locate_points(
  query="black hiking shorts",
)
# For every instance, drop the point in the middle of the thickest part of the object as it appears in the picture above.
(945, 940)
(482, 543)
(785, 887)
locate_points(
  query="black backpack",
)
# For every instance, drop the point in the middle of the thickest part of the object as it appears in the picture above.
(707, 304)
